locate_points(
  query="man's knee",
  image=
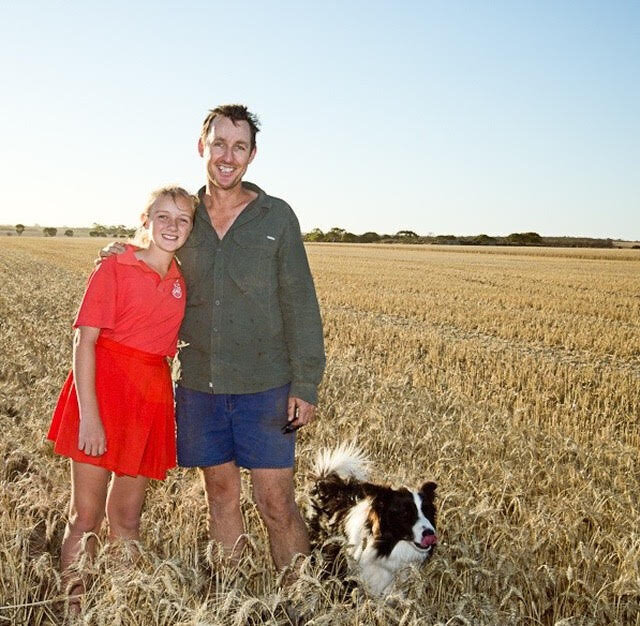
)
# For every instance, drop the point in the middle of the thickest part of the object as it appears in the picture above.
(276, 506)
(222, 490)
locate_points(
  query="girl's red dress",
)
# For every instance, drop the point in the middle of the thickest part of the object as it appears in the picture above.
(127, 299)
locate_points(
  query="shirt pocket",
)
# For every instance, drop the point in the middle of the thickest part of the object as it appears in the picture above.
(254, 263)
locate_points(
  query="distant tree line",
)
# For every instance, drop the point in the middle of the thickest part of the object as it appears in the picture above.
(98, 230)
(340, 235)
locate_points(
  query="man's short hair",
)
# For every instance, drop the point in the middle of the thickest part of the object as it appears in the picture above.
(236, 113)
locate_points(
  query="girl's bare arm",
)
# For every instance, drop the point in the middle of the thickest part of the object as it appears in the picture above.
(91, 437)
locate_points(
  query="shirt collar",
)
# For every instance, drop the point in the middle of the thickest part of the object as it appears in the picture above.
(128, 257)
(262, 202)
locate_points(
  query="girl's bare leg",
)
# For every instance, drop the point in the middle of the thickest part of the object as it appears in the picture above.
(124, 506)
(86, 512)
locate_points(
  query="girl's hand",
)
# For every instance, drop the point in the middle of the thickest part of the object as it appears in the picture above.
(91, 437)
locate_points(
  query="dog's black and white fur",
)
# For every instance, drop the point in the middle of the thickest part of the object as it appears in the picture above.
(384, 529)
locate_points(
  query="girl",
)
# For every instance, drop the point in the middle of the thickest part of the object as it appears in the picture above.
(115, 410)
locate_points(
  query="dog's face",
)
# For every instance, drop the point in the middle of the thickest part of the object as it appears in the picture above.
(402, 515)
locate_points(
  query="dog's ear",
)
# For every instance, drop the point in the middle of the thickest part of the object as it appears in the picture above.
(429, 490)
(375, 491)
(381, 512)
(381, 498)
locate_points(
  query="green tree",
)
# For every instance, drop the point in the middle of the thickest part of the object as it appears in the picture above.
(523, 239)
(406, 234)
(448, 239)
(533, 237)
(68, 233)
(335, 234)
(19, 228)
(484, 240)
(50, 231)
(315, 235)
(122, 231)
(369, 237)
(99, 230)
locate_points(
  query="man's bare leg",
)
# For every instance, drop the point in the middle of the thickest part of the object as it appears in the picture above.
(273, 490)
(222, 489)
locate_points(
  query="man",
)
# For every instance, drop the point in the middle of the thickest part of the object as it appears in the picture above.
(254, 355)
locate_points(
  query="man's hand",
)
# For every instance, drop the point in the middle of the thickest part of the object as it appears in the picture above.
(299, 413)
(115, 247)
(91, 438)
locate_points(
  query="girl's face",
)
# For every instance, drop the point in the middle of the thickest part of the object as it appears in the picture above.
(169, 223)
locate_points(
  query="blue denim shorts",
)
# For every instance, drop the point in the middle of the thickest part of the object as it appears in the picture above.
(245, 428)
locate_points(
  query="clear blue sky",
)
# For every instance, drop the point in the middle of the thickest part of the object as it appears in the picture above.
(438, 117)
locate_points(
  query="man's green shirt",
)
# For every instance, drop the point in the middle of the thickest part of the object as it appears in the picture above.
(252, 320)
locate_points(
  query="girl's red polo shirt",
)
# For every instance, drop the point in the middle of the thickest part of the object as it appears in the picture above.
(133, 305)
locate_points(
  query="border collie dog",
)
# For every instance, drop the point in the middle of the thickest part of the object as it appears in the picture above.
(383, 529)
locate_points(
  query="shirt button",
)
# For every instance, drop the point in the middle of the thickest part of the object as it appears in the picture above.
(217, 302)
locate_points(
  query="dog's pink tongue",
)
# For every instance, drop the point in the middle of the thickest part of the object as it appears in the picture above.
(429, 540)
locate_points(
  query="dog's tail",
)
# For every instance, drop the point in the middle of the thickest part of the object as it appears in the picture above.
(346, 460)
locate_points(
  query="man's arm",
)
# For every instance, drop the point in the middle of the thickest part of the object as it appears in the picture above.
(91, 436)
(115, 247)
(302, 325)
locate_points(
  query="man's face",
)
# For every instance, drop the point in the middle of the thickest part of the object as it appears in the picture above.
(227, 152)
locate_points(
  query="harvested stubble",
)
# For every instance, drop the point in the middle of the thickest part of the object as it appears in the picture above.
(511, 377)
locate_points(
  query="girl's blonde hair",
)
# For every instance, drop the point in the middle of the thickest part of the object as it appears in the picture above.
(141, 237)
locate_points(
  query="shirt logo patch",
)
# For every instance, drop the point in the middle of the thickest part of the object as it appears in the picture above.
(176, 292)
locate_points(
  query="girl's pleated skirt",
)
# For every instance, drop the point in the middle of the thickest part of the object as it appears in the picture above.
(135, 398)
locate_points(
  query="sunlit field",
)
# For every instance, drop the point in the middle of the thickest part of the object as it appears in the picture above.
(511, 377)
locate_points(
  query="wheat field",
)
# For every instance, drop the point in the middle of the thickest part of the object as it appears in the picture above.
(511, 377)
